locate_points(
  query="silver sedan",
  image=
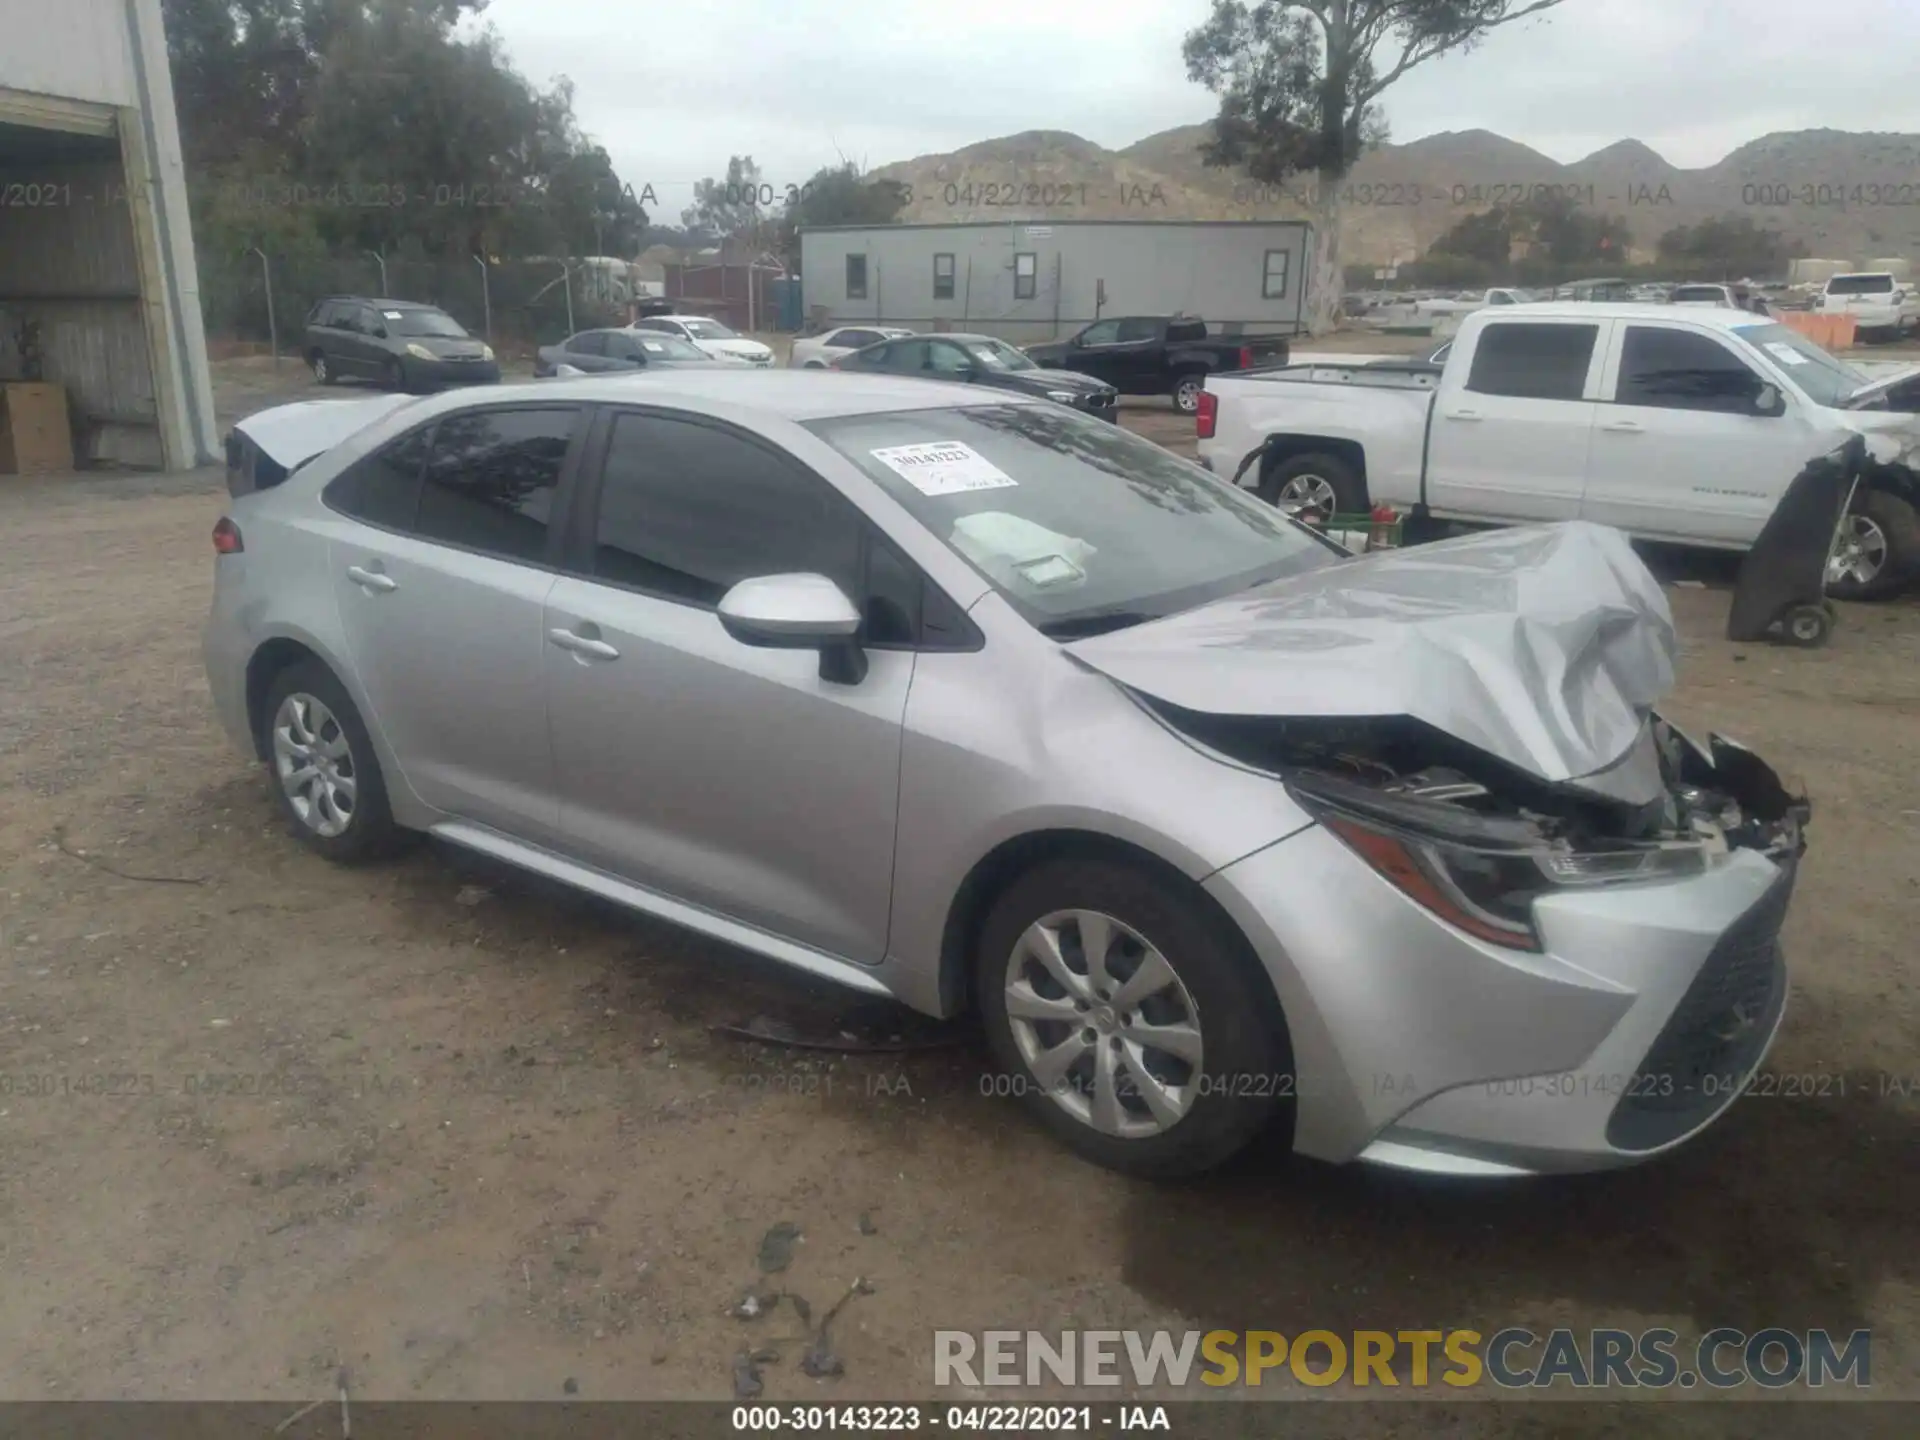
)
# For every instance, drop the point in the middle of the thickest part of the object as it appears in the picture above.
(978, 702)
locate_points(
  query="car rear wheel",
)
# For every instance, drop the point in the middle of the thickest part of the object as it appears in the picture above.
(1186, 393)
(326, 777)
(322, 369)
(1878, 549)
(1323, 483)
(1129, 1018)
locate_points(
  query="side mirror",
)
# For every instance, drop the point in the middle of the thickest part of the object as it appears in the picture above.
(798, 612)
(1078, 341)
(1769, 403)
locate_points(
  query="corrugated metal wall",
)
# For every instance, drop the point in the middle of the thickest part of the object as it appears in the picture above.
(67, 259)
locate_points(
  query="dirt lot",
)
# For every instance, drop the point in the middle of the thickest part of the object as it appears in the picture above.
(474, 1138)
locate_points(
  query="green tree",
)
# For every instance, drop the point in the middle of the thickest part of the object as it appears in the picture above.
(1728, 247)
(1299, 83)
(837, 195)
(735, 205)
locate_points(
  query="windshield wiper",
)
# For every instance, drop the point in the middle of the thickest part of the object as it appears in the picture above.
(1094, 622)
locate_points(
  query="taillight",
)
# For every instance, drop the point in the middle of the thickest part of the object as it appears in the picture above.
(1246, 357)
(1207, 415)
(226, 537)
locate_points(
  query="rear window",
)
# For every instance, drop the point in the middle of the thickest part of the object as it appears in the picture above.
(1533, 361)
(1179, 330)
(1699, 292)
(1860, 285)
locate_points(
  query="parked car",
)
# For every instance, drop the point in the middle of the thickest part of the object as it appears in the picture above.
(817, 352)
(710, 335)
(1156, 355)
(1184, 800)
(984, 361)
(1723, 297)
(1673, 424)
(1595, 292)
(1881, 305)
(593, 352)
(399, 344)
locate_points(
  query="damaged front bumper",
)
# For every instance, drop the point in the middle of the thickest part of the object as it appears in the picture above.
(1640, 1017)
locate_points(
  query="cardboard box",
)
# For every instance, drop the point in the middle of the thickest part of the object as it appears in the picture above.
(35, 436)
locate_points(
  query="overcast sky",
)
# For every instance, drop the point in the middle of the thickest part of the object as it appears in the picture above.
(673, 91)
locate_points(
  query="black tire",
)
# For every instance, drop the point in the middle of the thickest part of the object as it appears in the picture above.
(370, 832)
(322, 368)
(1247, 1075)
(1806, 627)
(1900, 523)
(1349, 490)
(1186, 390)
(393, 376)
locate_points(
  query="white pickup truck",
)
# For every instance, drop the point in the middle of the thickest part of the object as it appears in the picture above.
(1670, 423)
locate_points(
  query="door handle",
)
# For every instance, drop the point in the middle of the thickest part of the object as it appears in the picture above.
(374, 582)
(582, 645)
(1625, 427)
(1463, 415)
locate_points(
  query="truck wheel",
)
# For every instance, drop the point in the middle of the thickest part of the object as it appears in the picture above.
(1186, 392)
(1878, 551)
(1314, 482)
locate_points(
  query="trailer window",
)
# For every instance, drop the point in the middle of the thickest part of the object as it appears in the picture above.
(1533, 361)
(1026, 274)
(1273, 275)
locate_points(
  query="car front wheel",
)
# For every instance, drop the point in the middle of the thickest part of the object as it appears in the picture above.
(1129, 1018)
(1877, 552)
(326, 777)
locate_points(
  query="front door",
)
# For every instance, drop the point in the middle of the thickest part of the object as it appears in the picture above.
(1510, 441)
(727, 776)
(1678, 452)
(1097, 351)
(441, 577)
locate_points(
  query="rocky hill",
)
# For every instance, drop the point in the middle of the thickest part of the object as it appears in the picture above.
(1847, 195)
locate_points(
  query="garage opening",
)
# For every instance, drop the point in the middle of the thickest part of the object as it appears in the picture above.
(76, 357)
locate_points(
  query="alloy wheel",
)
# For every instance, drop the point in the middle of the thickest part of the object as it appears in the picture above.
(1307, 492)
(314, 764)
(1859, 552)
(320, 369)
(1186, 396)
(1104, 1023)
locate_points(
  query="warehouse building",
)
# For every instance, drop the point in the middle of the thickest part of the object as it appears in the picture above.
(1029, 282)
(99, 299)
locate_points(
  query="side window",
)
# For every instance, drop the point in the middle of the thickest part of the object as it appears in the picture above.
(943, 276)
(946, 358)
(688, 511)
(856, 277)
(909, 355)
(1273, 275)
(1026, 274)
(1680, 370)
(1533, 362)
(589, 342)
(491, 479)
(1139, 327)
(1101, 332)
(384, 488)
(855, 339)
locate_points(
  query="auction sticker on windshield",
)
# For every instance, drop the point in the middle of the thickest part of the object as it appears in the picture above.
(1785, 354)
(944, 467)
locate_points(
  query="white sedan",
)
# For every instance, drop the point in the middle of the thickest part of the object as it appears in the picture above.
(817, 352)
(710, 335)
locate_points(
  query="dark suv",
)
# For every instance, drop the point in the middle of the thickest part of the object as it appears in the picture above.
(401, 345)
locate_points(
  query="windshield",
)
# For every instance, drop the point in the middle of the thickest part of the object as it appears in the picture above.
(1860, 285)
(424, 322)
(1816, 374)
(1711, 293)
(998, 354)
(668, 347)
(708, 330)
(1082, 526)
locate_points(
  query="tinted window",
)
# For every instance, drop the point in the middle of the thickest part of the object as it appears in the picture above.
(589, 342)
(1140, 327)
(491, 478)
(384, 488)
(436, 323)
(1535, 362)
(1101, 332)
(857, 339)
(1689, 294)
(622, 347)
(1678, 370)
(688, 511)
(908, 355)
(1860, 285)
(947, 358)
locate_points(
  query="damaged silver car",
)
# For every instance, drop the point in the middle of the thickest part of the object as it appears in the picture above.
(983, 704)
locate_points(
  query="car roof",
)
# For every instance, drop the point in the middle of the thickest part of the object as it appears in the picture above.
(1723, 318)
(677, 316)
(795, 395)
(382, 303)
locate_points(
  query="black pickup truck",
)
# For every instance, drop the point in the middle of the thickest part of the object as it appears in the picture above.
(1158, 355)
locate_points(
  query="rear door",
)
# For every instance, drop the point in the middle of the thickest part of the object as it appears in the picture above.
(1513, 423)
(441, 570)
(587, 351)
(728, 776)
(1678, 452)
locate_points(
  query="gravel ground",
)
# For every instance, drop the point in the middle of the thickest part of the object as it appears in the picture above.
(476, 1138)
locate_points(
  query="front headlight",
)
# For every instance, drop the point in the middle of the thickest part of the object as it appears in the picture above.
(486, 352)
(1065, 397)
(1482, 873)
(420, 352)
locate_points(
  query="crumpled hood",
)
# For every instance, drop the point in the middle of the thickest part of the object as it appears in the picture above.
(1546, 647)
(291, 434)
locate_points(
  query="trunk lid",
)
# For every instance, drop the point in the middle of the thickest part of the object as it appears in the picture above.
(1546, 647)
